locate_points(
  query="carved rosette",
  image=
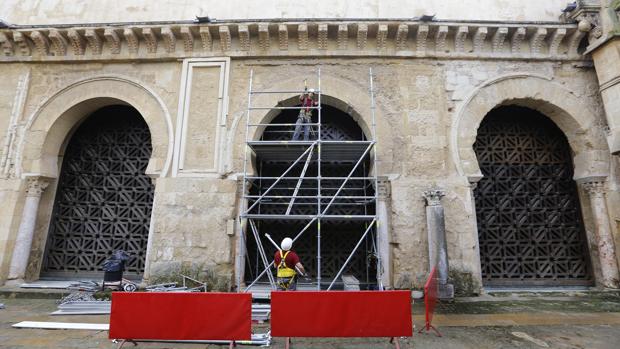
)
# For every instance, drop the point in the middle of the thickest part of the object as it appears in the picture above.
(35, 186)
(433, 197)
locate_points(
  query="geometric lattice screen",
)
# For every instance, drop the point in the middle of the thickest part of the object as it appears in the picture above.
(337, 237)
(529, 219)
(104, 198)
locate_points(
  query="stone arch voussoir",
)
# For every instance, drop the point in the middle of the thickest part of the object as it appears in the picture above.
(563, 107)
(47, 128)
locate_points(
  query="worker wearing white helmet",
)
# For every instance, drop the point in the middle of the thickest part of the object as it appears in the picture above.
(287, 264)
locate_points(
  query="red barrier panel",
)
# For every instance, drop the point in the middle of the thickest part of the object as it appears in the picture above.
(431, 288)
(181, 316)
(341, 314)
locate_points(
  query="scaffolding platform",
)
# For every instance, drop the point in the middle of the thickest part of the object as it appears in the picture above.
(286, 151)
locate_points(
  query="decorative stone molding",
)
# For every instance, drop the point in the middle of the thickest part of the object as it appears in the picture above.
(401, 37)
(343, 36)
(188, 39)
(59, 43)
(382, 33)
(588, 14)
(225, 40)
(169, 39)
(263, 37)
(517, 39)
(421, 37)
(94, 41)
(206, 38)
(362, 36)
(150, 38)
(497, 42)
(433, 197)
(22, 42)
(244, 37)
(444, 39)
(113, 40)
(132, 40)
(302, 36)
(481, 34)
(7, 45)
(538, 40)
(77, 42)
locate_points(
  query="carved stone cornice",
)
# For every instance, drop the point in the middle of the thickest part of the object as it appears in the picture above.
(441, 39)
(433, 197)
(35, 185)
(587, 14)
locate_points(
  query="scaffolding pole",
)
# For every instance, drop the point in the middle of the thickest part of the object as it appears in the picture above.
(318, 189)
(375, 171)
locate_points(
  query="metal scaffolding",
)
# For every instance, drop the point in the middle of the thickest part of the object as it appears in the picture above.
(295, 156)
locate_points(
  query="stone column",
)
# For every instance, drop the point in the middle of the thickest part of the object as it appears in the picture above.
(437, 244)
(25, 234)
(240, 243)
(383, 231)
(604, 237)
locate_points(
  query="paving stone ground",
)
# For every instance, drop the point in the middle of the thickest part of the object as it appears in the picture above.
(582, 321)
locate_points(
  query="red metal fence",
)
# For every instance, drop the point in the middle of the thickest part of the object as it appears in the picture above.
(181, 316)
(431, 288)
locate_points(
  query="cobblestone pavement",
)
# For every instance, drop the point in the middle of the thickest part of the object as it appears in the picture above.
(560, 323)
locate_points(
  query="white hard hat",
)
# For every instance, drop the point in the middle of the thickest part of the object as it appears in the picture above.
(311, 90)
(286, 244)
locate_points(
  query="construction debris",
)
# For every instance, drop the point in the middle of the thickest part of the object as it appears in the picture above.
(88, 286)
(79, 296)
(47, 284)
(84, 308)
(260, 339)
(62, 325)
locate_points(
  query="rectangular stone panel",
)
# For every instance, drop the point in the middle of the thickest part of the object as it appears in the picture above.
(202, 112)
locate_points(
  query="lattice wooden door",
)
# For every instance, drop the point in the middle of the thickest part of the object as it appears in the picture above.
(529, 219)
(104, 198)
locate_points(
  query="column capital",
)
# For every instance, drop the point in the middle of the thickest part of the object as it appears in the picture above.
(594, 186)
(433, 197)
(35, 185)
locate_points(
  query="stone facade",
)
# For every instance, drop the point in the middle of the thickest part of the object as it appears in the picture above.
(434, 83)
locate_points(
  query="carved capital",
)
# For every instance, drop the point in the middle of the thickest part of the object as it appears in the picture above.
(433, 197)
(588, 15)
(36, 185)
(594, 188)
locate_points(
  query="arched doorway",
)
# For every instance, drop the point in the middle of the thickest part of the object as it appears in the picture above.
(530, 226)
(339, 236)
(104, 198)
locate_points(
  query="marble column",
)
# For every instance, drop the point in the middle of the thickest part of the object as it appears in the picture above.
(21, 252)
(383, 232)
(604, 238)
(437, 244)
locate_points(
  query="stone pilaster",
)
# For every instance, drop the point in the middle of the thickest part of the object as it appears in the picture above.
(437, 244)
(240, 241)
(383, 231)
(604, 239)
(21, 252)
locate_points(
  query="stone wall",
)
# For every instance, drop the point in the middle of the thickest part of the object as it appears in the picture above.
(422, 108)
